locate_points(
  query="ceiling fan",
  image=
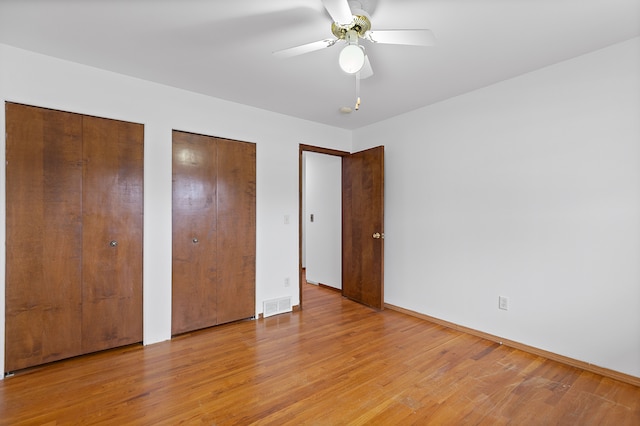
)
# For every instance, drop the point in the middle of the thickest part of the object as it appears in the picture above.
(352, 23)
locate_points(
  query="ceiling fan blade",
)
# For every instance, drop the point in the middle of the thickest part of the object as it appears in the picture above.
(408, 37)
(339, 10)
(304, 48)
(366, 70)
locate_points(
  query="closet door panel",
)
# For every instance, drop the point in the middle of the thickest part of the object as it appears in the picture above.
(112, 233)
(194, 292)
(236, 169)
(43, 241)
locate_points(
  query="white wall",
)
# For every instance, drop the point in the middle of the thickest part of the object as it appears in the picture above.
(323, 199)
(39, 80)
(529, 189)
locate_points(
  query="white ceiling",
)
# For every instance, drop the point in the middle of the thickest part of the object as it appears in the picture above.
(223, 48)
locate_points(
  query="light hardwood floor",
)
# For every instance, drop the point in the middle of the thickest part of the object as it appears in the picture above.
(335, 362)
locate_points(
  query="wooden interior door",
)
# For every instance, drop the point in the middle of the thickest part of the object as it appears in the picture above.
(363, 227)
(112, 233)
(214, 228)
(194, 222)
(74, 235)
(44, 236)
(236, 167)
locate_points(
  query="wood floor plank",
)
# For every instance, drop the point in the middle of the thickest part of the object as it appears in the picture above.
(334, 362)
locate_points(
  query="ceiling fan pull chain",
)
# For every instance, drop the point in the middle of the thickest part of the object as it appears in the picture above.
(357, 91)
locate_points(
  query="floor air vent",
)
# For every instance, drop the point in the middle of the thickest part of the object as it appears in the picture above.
(276, 306)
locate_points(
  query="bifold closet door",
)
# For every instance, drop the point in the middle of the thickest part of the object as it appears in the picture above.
(74, 235)
(112, 233)
(194, 290)
(44, 236)
(214, 209)
(236, 230)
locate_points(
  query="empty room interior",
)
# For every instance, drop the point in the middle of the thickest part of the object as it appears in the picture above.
(320, 212)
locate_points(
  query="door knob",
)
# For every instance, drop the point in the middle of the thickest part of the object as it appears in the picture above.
(113, 243)
(195, 240)
(378, 235)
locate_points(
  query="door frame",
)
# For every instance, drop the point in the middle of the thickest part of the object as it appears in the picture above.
(319, 150)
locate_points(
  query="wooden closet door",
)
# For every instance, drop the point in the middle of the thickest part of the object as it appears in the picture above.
(236, 168)
(44, 236)
(194, 292)
(112, 233)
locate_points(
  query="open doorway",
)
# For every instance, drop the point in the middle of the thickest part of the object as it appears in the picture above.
(320, 217)
(362, 247)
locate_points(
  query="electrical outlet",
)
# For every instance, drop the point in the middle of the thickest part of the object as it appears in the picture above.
(503, 303)
(287, 283)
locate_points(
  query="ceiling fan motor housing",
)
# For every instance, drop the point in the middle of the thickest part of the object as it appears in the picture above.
(360, 24)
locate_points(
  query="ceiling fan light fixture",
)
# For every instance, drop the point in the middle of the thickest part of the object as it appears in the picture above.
(351, 59)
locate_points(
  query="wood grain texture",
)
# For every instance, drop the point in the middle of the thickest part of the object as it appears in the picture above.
(362, 216)
(112, 212)
(334, 362)
(44, 236)
(194, 215)
(236, 230)
(612, 374)
(74, 184)
(214, 200)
